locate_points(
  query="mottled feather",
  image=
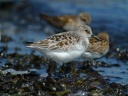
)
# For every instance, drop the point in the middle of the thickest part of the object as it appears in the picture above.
(57, 21)
(98, 46)
(67, 22)
(58, 42)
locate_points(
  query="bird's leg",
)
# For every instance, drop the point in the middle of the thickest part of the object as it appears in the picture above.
(94, 62)
(50, 69)
(56, 70)
(73, 71)
(63, 67)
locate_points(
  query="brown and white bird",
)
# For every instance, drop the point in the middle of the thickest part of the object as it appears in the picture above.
(67, 22)
(66, 46)
(97, 48)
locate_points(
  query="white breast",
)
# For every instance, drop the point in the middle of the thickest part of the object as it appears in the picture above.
(91, 56)
(64, 56)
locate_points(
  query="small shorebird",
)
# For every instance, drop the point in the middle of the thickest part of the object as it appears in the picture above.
(66, 46)
(67, 22)
(97, 48)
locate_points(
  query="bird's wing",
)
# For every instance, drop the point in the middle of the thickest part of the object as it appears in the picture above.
(56, 21)
(60, 42)
(97, 46)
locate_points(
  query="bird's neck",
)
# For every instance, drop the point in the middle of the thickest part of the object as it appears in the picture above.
(79, 21)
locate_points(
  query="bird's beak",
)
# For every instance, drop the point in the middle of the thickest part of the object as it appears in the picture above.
(95, 37)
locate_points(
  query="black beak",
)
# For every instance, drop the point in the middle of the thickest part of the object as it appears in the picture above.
(96, 37)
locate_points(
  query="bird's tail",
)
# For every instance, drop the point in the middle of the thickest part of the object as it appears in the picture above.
(28, 44)
(45, 17)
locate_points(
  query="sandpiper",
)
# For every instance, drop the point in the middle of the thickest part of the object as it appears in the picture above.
(66, 46)
(67, 22)
(97, 48)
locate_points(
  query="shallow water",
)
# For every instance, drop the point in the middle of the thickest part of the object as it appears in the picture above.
(22, 24)
(116, 74)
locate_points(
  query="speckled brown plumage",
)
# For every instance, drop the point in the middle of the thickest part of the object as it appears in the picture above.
(57, 21)
(59, 41)
(67, 22)
(66, 46)
(97, 48)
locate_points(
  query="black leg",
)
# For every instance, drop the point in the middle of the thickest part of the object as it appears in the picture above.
(63, 67)
(50, 69)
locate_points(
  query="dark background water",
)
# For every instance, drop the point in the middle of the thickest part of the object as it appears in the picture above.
(19, 21)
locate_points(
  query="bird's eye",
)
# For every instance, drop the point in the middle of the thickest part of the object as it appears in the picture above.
(84, 20)
(86, 30)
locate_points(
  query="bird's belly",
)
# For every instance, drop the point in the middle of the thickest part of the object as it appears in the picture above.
(91, 56)
(64, 57)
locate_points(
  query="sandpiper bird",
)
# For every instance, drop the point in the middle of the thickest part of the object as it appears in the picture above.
(67, 22)
(97, 48)
(66, 46)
